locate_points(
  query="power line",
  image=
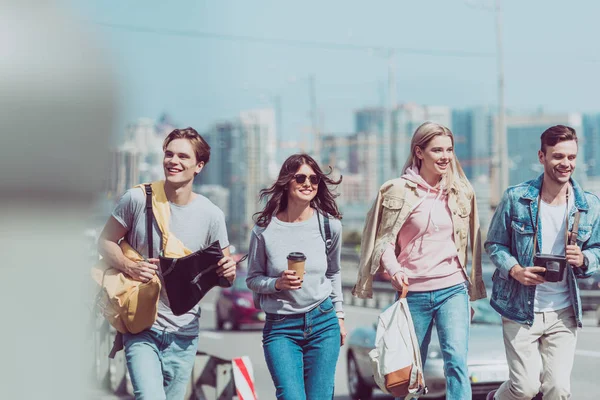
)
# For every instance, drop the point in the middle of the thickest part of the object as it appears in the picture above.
(298, 43)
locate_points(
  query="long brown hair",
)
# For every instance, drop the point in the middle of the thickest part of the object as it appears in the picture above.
(276, 195)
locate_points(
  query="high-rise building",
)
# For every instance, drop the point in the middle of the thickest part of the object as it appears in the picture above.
(243, 161)
(472, 129)
(355, 157)
(364, 163)
(137, 159)
(372, 121)
(124, 171)
(590, 144)
(523, 138)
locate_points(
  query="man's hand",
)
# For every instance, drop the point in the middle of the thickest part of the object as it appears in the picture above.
(526, 275)
(343, 332)
(574, 255)
(288, 281)
(399, 280)
(226, 268)
(143, 271)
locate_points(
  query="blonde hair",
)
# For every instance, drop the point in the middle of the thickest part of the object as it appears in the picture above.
(421, 138)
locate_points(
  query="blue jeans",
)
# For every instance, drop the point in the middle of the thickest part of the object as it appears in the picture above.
(301, 351)
(449, 309)
(160, 363)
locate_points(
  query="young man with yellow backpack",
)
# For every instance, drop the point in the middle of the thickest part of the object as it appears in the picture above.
(160, 358)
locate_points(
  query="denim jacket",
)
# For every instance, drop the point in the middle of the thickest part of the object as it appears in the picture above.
(394, 203)
(510, 242)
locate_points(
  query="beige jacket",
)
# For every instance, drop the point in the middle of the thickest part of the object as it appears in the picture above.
(394, 203)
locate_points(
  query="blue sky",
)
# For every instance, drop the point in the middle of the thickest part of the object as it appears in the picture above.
(551, 56)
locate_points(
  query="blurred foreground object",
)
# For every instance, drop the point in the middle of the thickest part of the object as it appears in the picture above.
(56, 116)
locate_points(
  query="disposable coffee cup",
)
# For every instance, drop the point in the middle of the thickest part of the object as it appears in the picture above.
(296, 261)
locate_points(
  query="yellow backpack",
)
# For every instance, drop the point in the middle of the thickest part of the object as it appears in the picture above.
(128, 305)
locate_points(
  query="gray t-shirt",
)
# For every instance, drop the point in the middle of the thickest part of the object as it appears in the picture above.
(267, 259)
(197, 225)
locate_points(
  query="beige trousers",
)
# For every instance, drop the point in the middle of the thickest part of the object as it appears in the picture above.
(540, 357)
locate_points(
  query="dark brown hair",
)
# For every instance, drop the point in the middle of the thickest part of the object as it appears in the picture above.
(276, 195)
(555, 134)
(201, 148)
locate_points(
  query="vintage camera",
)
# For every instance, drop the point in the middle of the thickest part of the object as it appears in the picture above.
(555, 266)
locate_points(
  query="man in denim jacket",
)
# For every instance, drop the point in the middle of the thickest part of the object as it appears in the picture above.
(540, 318)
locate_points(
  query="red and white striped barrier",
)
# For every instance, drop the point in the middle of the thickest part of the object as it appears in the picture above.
(243, 377)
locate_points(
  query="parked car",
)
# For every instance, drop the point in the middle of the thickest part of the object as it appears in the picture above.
(235, 306)
(486, 361)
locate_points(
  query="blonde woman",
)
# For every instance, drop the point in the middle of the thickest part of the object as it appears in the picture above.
(417, 231)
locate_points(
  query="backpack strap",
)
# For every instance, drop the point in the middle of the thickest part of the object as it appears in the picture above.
(149, 219)
(327, 237)
(328, 240)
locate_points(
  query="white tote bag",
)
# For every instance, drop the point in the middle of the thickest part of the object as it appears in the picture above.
(396, 358)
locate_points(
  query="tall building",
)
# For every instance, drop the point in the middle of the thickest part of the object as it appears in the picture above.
(363, 161)
(523, 138)
(137, 159)
(590, 144)
(372, 121)
(355, 157)
(335, 152)
(472, 129)
(124, 172)
(243, 161)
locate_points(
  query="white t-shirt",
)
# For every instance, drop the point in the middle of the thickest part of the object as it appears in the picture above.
(552, 296)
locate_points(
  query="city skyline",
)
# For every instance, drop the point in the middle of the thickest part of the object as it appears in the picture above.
(245, 155)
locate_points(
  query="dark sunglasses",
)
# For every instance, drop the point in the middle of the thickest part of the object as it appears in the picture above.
(301, 178)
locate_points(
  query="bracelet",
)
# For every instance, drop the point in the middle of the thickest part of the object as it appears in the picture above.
(339, 314)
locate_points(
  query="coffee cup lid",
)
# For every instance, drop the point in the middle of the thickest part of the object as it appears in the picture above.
(296, 256)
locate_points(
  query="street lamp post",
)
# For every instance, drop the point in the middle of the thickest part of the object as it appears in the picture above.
(499, 165)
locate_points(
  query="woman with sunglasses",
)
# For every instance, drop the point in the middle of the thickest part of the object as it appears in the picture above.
(304, 325)
(417, 231)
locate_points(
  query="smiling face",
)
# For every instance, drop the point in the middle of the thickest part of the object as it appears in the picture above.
(302, 192)
(559, 161)
(179, 162)
(436, 156)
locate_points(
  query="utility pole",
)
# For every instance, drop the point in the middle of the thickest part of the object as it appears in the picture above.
(278, 119)
(499, 170)
(314, 118)
(393, 145)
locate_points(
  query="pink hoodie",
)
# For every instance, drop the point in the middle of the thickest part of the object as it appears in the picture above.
(428, 254)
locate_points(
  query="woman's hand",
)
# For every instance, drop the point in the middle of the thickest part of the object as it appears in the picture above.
(343, 331)
(288, 281)
(399, 280)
